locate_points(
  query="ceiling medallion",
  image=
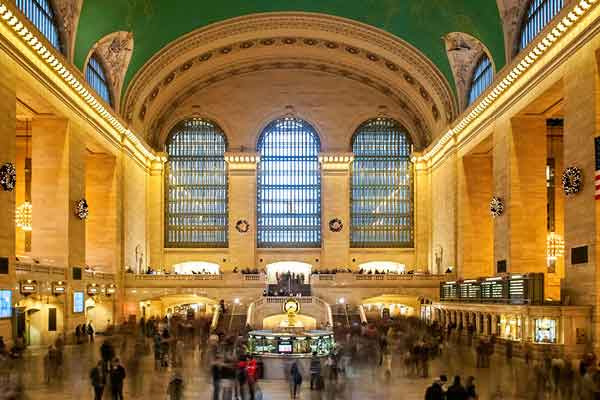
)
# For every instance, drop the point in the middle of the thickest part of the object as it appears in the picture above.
(572, 181)
(81, 209)
(8, 177)
(496, 207)
(336, 225)
(242, 226)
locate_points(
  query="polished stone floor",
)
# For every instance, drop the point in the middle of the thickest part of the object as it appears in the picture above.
(143, 382)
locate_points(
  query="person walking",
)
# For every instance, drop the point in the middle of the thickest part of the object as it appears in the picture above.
(315, 372)
(98, 378)
(78, 334)
(117, 375)
(175, 388)
(90, 331)
(436, 390)
(456, 391)
(470, 388)
(295, 380)
(107, 352)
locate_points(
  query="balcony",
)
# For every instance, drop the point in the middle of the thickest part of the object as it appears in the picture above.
(378, 280)
(224, 280)
(43, 272)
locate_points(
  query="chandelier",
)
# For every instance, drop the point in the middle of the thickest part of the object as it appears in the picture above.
(555, 246)
(23, 216)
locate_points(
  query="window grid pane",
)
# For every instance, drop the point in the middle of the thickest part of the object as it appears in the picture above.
(196, 187)
(94, 74)
(539, 14)
(40, 13)
(289, 185)
(382, 186)
(482, 78)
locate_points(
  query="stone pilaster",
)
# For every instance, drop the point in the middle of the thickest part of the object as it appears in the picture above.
(422, 216)
(101, 188)
(475, 224)
(156, 210)
(582, 212)
(520, 180)
(242, 206)
(58, 181)
(7, 199)
(335, 195)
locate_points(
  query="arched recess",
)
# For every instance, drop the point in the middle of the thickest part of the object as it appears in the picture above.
(285, 41)
(464, 51)
(114, 51)
(67, 15)
(514, 16)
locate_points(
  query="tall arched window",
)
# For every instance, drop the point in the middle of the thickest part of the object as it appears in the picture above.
(41, 14)
(482, 78)
(196, 186)
(382, 186)
(96, 77)
(539, 13)
(289, 185)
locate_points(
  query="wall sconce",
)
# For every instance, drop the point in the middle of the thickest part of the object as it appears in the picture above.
(28, 287)
(59, 288)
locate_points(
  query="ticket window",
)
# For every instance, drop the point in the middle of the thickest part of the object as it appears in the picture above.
(545, 330)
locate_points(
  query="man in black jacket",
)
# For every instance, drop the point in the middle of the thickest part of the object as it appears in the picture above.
(117, 375)
(436, 390)
(456, 391)
(98, 378)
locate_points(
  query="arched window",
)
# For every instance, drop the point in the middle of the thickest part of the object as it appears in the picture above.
(196, 186)
(539, 14)
(482, 78)
(381, 196)
(94, 74)
(289, 185)
(41, 14)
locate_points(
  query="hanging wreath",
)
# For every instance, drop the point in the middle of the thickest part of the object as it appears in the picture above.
(8, 177)
(336, 225)
(572, 181)
(496, 207)
(242, 226)
(81, 209)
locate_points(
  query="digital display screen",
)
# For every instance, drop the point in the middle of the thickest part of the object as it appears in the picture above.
(78, 302)
(5, 303)
(285, 348)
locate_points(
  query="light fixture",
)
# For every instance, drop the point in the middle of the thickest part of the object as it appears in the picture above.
(555, 247)
(23, 216)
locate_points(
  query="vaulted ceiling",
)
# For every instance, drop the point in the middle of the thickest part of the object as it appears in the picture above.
(422, 23)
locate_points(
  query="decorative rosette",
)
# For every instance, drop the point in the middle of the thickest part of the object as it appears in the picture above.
(572, 181)
(8, 177)
(242, 226)
(81, 209)
(496, 207)
(336, 225)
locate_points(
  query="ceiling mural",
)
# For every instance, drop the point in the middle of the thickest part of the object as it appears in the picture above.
(422, 24)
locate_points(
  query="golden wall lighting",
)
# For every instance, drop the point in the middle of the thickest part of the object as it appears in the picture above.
(23, 216)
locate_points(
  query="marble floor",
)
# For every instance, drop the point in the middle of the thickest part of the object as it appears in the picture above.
(143, 382)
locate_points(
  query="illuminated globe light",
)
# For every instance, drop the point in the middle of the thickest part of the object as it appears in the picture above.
(555, 246)
(23, 216)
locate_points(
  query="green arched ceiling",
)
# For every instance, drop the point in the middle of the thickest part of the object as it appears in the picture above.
(422, 23)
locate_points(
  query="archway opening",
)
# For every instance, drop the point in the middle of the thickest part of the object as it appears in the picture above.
(382, 267)
(196, 268)
(277, 269)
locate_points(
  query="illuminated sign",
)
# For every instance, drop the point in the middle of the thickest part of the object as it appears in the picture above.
(5, 303)
(59, 287)
(78, 302)
(28, 287)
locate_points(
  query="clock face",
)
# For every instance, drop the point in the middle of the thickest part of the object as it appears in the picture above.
(291, 305)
